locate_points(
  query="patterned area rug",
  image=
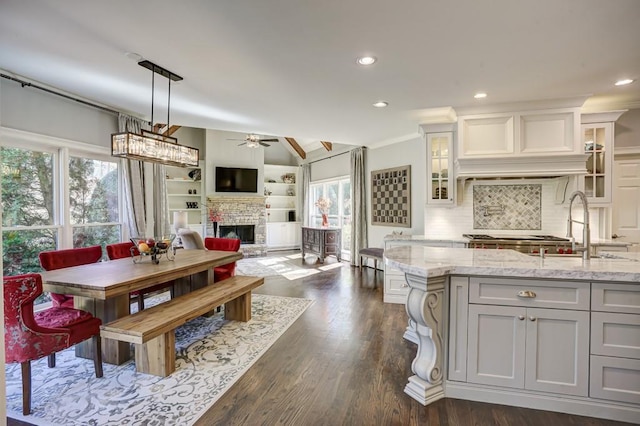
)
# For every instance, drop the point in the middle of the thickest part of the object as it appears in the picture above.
(212, 354)
(287, 266)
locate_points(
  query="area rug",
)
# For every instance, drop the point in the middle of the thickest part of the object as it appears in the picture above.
(212, 354)
(287, 266)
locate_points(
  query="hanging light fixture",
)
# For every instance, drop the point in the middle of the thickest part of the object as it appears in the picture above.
(253, 141)
(155, 147)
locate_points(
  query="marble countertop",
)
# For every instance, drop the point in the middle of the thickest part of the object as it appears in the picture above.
(423, 238)
(436, 261)
(635, 256)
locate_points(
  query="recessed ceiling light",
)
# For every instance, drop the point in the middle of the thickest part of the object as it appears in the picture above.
(133, 56)
(624, 82)
(367, 60)
(480, 95)
(380, 104)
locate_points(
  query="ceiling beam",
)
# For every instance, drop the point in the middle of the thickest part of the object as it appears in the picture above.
(171, 130)
(297, 148)
(327, 145)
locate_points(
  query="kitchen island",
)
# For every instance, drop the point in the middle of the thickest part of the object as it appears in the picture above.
(555, 333)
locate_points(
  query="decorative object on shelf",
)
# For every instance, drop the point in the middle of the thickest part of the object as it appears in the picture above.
(289, 178)
(195, 174)
(323, 204)
(268, 205)
(155, 147)
(215, 216)
(195, 191)
(153, 248)
(291, 192)
(192, 204)
(190, 191)
(391, 197)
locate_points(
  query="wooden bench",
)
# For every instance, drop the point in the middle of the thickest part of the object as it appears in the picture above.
(152, 330)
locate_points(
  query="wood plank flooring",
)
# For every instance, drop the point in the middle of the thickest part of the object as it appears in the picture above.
(344, 362)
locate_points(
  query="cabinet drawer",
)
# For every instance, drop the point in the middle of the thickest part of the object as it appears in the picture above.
(615, 334)
(331, 249)
(396, 284)
(330, 237)
(623, 298)
(523, 292)
(616, 379)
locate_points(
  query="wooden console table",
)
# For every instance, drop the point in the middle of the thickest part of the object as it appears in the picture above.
(322, 242)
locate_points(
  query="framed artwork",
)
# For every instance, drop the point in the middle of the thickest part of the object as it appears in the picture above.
(391, 197)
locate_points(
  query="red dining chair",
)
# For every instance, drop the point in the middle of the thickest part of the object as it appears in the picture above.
(30, 336)
(224, 244)
(58, 259)
(123, 250)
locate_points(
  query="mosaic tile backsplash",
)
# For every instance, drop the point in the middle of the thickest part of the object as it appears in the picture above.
(509, 207)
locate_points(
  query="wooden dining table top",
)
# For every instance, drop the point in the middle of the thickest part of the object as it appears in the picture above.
(113, 278)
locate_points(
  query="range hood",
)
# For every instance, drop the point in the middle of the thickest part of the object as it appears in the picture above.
(521, 166)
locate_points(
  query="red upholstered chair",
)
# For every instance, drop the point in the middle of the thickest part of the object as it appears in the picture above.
(58, 259)
(29, 336)
(225, 244)
(123, 250)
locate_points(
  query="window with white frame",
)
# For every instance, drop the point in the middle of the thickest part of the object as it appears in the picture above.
(56, 197)
(339, 192)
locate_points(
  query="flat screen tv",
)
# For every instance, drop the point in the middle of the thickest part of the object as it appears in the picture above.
(234, 179)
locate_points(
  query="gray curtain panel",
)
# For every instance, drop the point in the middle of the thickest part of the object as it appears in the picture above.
(358, 204)
(133, 172)
(306, 182)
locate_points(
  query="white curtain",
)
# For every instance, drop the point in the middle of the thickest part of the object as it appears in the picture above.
(306, 182)
(358, 204)
(137, 204)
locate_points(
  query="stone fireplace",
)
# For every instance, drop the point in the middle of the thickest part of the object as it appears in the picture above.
(238, 212)
(246, 233)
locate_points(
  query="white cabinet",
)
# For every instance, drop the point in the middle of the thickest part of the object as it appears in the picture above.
(598, 143)
(283, 235)
(281, 188)
(529, 348)
(615, 342)
(543, 132)
(515, 340)
(441, 182)
(185, 192)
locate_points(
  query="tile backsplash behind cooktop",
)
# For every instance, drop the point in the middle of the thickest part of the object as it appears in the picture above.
(509, 207)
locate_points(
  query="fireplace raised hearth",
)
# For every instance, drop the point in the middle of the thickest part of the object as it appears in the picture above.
(246, 233)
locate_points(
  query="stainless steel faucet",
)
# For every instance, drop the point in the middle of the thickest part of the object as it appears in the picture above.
(586, 232)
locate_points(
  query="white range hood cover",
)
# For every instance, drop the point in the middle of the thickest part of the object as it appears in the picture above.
(522, 166)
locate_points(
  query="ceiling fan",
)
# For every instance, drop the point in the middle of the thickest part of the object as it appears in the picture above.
(254, 141)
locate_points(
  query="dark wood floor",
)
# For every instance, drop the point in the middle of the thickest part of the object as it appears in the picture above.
(344, 362)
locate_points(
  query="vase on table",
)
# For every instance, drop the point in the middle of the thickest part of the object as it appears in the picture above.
(325, 220)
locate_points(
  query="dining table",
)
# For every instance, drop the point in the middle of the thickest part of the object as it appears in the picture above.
(103, 288)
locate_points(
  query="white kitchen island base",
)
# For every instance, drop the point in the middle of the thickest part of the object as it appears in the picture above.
(500, 327)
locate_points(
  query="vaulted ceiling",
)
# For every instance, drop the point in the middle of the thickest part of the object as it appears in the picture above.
(288, 68)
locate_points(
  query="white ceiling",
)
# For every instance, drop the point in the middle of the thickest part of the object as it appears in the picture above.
(287, 67)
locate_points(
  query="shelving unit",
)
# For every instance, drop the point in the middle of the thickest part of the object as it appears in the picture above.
(179, 184)
(281, 188)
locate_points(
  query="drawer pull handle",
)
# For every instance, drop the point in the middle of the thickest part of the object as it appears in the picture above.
(526, 294)
(405, 285)
(532, 318)
(521, 317)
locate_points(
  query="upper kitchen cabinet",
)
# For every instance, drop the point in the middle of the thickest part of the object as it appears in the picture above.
(543, 142)
(598, 144)
(441, 182)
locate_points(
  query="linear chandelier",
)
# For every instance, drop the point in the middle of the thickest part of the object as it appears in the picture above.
(155, 147)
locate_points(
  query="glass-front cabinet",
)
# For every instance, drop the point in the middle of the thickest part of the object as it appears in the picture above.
(441, 182)
(597, 145)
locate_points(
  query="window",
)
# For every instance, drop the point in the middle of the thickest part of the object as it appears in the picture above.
(41, 212)
(339, 192)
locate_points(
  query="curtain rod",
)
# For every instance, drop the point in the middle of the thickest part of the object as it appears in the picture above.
(331, 156)
(53, 92)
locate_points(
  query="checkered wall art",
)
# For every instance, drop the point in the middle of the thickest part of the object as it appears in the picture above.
(391, 197)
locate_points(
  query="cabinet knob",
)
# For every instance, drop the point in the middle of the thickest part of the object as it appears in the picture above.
(526, 294)
(521, 317)
(532, 318)
(405, 285)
